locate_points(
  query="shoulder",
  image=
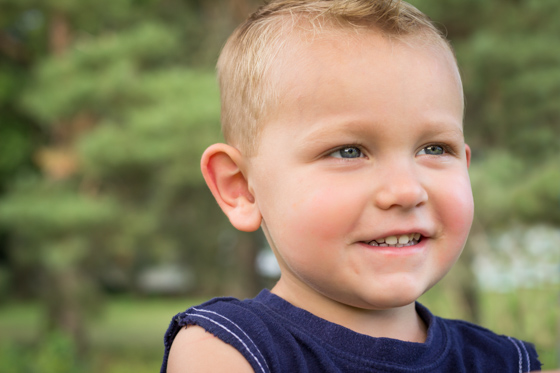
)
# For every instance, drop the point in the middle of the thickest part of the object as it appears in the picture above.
(481, 344)
(469, 333)
(195, 350)
(220, 331)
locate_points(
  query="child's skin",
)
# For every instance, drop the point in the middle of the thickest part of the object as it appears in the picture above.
(365, 143)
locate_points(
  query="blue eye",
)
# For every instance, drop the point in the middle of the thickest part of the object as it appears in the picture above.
(347, 152)
(432, 150)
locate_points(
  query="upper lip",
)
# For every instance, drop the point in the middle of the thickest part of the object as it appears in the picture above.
(398, 233)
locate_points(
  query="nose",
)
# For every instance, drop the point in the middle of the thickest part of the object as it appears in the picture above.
(399, 187)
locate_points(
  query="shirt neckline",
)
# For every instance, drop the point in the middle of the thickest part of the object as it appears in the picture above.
(359, 347)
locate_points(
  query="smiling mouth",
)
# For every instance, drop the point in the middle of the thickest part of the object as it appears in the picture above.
(403, 240)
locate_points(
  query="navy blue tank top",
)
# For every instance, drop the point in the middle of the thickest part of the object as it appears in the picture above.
(275, 336)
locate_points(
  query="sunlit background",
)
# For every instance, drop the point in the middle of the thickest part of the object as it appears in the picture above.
(107, 229)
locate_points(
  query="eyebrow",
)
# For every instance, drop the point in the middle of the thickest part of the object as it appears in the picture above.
(361, 128)
(336, 128)
(437, 129)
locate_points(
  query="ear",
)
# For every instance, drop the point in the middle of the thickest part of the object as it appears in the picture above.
(468, 155)
(221, 166)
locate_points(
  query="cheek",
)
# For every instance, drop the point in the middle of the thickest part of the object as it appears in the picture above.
(453, 204)
(327, 212)
(457, 209)
(462, 214)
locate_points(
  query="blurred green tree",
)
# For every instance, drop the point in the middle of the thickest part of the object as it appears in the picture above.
(125, 104)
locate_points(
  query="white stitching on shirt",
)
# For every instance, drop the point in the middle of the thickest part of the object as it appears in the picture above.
(518, 353)
(235, 335)
(526, 355)
(238, 327)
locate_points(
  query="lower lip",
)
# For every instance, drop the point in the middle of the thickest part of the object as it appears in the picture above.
(397, 251)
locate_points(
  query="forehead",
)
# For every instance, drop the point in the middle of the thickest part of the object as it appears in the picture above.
(337, 73)
(315, 49)
(310, 63)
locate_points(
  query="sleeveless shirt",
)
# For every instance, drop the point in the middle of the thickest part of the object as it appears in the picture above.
(275, 336)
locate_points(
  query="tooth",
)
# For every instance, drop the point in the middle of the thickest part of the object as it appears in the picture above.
(391, 240)
(417, 236)
(403, 239)
(380, 240)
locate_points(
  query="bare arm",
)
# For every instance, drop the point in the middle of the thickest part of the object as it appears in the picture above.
(195, 350)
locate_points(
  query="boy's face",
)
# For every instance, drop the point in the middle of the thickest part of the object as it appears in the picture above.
(366, 144)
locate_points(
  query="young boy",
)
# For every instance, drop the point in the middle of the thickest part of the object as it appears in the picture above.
(343, 122)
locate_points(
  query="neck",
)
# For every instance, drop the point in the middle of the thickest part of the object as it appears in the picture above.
(402, 323)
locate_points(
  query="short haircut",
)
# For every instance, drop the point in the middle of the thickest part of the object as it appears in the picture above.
(248, 93)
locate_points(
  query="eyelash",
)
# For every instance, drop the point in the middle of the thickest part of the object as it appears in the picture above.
(354, 145)
(447, 149)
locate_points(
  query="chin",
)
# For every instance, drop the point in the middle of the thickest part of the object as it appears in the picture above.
(394, 302)
(379, 302)
(399, 296)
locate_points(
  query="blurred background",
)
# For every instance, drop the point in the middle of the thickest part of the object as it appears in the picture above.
(107, 229)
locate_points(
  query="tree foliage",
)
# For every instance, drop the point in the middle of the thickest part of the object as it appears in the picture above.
(123, 106)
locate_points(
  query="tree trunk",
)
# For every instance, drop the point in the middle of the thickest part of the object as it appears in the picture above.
(65, 286)
(469, 289)
(244, 280)
(59, 33)
(64, 308)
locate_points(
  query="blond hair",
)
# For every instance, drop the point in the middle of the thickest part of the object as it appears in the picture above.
(247, 92)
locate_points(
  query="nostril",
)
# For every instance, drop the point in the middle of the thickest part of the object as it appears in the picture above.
(406, 194)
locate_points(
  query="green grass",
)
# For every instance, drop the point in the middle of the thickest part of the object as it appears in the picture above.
(128, 335)
(19, 321)
(140, 323)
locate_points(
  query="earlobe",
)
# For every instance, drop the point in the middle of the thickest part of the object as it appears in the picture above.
(222, 171)
(468, 155)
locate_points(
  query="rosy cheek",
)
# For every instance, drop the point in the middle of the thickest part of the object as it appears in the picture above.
(459, 211)
(325, 213)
